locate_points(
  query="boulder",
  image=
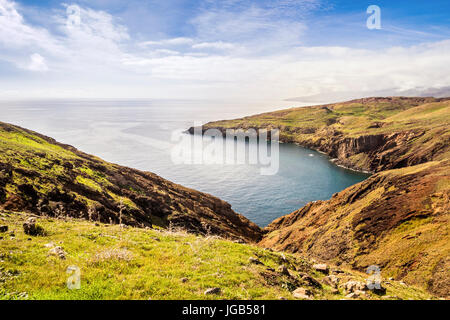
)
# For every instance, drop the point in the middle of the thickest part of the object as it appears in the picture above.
(352, 295)
(302, 293)
(283, 270)
(376, 288)
(58, 252)
(331, 281)
(321, 267)
(353, 285)
(337, 271)
(310, 280)
(212, 291)
(31, 228)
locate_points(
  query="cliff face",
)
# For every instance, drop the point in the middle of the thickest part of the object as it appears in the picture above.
(397, 219)
(372, 134)
(40, 175)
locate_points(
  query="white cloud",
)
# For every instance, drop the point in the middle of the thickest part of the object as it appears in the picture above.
(15, 33)
(168, 42)
(242, 54)
(220, 45)
(37, 63)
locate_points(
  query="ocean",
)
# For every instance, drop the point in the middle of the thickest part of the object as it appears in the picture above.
(142, 134)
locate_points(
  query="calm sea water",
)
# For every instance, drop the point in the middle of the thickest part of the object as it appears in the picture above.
(139, 134)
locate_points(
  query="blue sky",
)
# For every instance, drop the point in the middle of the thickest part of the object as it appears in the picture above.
(223, 49)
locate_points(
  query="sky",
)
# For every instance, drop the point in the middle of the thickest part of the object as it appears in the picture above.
(230, 49)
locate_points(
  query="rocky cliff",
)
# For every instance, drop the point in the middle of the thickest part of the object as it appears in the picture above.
(40, 175)
(371, 134)
(397, 219)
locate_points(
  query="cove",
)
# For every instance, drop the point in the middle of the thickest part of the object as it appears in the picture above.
(138, 134)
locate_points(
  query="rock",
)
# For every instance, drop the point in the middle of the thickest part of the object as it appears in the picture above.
(360, 293)
(31, 228)
(310, 280)
(255, 261)
(3, 228)
(352, 295)
(377, 289)
(337, 271)
(212, 291)
(49, 245)
(352, 286)
(331, 280)
(283, 270)
(57, 251)
(302, 293)
(321, 267)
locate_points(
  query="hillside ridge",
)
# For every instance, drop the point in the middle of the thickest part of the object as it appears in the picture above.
(116, 262)
(40, 175)
(369, 134)
(398, 218)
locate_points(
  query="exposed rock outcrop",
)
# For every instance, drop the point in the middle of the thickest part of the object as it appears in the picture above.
(371, 134)
(42, 176)
(397, 219)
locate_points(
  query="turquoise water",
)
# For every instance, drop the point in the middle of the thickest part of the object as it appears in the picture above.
(139, 134)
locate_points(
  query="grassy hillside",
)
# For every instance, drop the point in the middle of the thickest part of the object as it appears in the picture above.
(135, 263)
(372, 134)
(397, 219)
(40, 175)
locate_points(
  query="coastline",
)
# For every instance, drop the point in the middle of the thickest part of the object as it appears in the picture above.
(335, 161)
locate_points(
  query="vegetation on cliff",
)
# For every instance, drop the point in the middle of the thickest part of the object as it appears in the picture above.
(40, 175)
(136, 263)
(398, 219)
(371, 134)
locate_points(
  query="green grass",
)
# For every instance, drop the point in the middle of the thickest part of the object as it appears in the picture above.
(133, 263)
(319, 127)
(353, 119)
